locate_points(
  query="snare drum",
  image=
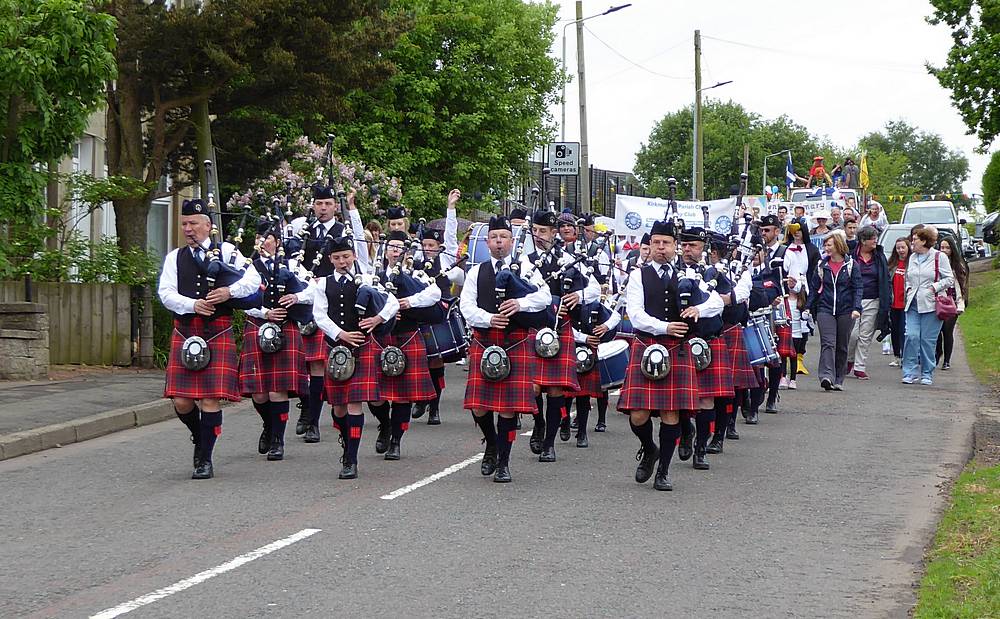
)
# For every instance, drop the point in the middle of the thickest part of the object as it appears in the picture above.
(759, 341)
(448, 340)
(612, 361)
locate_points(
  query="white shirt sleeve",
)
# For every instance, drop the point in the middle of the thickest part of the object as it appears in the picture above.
(321, 312)
(167, 290)
(579, 337)
(712, 307)
(741, 291)
(451, 234)
(592, 292)
(613, 321)
(427, 297)
(636, 304)
(474, 315)
(250, 282)
(257, 312)
(360, 245)
(541, 298)
(391, 308)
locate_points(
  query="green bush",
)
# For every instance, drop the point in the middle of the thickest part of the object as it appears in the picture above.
(80, 260)
(991, 184)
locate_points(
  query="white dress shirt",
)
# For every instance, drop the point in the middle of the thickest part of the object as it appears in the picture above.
(742, 288)
(178, 303)
(636, 303)
(612, 322)
(480, 318)
(304, 297)
(321, 307)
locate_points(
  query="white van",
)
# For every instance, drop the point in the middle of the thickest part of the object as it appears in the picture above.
(938, 213)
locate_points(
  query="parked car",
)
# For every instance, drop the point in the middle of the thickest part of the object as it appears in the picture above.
(991, 231)
(938, 213)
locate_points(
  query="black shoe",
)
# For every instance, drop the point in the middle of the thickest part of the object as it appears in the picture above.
(715, 447)
(393, 452)
(312, 434)
(685, 448)
(264, 442)
(600, 427)
(548, 455)
(752, 418)
(434, 417)
(564, 431)
(517, 422)
(946, 366)
(203, 470)
(502, 474)
(731, 432)
(646, 461)
(826, 384)
(277, 450)
(581, 439)
(489, 465)
(350, 471)
(303, 423)
(537, 439)
(700, 462)
(662, 481)
(382, 440)
(418, 410)
(771, 406)
(573, 425)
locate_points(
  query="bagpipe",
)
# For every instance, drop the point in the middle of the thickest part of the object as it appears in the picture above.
(511, 285)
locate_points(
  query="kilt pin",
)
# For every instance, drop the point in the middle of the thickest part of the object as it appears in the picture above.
(677, 392)
(559, 371)
(262, 372)
(514, 394)
(363, 386)
(414, 384)
(221, 378)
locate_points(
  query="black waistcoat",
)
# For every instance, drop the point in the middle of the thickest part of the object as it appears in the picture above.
(659, 298)
(314, 245)
(191, 282)
(340, 299)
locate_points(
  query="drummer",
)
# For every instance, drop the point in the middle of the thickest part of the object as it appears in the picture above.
(588, 330)
(654, 308)
(440, 267)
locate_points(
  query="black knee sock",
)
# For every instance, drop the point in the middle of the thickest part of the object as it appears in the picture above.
(793, 367)
(264, 410)
(315, 399)
(355, 424)
(705, 423)
(756, 397)
(211, 428)
(400, 418)
(191, 419)
(567, 407)
(582, 414)
(723, 411)
(553, 417)
(381, 413)
(539, 420)
(669, 435)
(488, 428)
(437, 377)
(506, 433)
(645, 434)
(279, 419)
(602, 408)
(540, 404)
(340, 425)
(773, 378)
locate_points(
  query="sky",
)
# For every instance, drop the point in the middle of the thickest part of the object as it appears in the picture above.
(842, 70)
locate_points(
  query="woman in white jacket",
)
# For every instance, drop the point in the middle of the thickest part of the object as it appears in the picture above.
(928, 274)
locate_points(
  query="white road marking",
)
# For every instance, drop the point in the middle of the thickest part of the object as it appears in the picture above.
(201, 577)
(395, 494)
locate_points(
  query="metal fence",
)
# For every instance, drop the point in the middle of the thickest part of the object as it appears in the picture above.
(88, 323)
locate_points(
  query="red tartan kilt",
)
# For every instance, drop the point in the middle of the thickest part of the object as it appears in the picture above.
(220, 380)
(786, 348)
(590, 382)
(514, 394)
(315, 347)
(364, 385)
(558, 371)
(744, 376)
(414, 384)
(678, 391)
(716, 381)
(262, 372)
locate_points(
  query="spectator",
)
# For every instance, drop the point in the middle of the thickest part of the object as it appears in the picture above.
(836, 218)
(822, 226)
(852, 174)
(874, 217)
(897, 316)
(837, 173)
(850, 212)
(796, 265)
(928, 274)
(782, 215)
(851, 231)
(373, 234)
(835, 299)
(946, 341)
(876, 297)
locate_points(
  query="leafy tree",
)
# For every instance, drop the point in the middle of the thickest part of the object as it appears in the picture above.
(727, 126)
(972, 69)
(54, 59)
(930, 166)
(991, 184)
(468, 103)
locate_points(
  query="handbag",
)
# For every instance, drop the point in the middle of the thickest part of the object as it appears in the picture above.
(944, 305)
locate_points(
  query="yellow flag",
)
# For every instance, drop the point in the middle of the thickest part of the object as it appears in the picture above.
(864, 170)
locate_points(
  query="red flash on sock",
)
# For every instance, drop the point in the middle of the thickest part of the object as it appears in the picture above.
(729, 408)
(283, 417)
(404, 426)
(563, 412)
(217, 430)
(711, 427)
(511, 436)
(355, 432)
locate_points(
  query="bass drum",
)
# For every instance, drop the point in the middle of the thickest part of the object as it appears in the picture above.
(479, 251)
(449, 340)
(612, 361)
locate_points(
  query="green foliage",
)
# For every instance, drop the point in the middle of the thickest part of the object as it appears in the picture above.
(991, 184)
(79, 260)
(972, 69)
(468, 102)
(727, 126)
(928, 165)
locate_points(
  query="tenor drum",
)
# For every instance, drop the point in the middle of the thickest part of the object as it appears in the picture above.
(448, 340)
(759, 341)
(625, 328)
(612, 361)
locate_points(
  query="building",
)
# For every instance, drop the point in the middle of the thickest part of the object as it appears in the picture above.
(564, 190)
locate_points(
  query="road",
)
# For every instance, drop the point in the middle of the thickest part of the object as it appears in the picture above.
(821, 510)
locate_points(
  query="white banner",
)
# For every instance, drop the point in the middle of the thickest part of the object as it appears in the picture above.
(634, 216)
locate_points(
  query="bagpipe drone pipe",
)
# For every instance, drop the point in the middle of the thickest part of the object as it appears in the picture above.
(511, 285)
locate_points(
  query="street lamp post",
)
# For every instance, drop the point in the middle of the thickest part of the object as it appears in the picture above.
(697, 167)
(763, 182)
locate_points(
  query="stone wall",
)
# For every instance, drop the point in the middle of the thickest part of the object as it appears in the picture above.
(24, 341)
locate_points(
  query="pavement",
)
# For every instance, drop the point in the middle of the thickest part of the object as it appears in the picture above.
(824, 509)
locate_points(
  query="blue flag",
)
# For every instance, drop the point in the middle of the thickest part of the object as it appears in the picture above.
(789, 172)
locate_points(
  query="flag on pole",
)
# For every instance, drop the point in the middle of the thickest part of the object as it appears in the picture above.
(864, 170)
(789, 172)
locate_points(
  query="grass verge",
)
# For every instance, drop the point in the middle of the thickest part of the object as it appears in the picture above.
(979, 327)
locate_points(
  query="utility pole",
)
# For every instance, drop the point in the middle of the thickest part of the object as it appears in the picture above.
(584, 159)
(697, 180)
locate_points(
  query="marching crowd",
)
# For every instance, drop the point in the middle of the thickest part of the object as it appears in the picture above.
(692, 327)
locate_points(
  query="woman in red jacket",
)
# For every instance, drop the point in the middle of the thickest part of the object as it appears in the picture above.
(897, 317)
